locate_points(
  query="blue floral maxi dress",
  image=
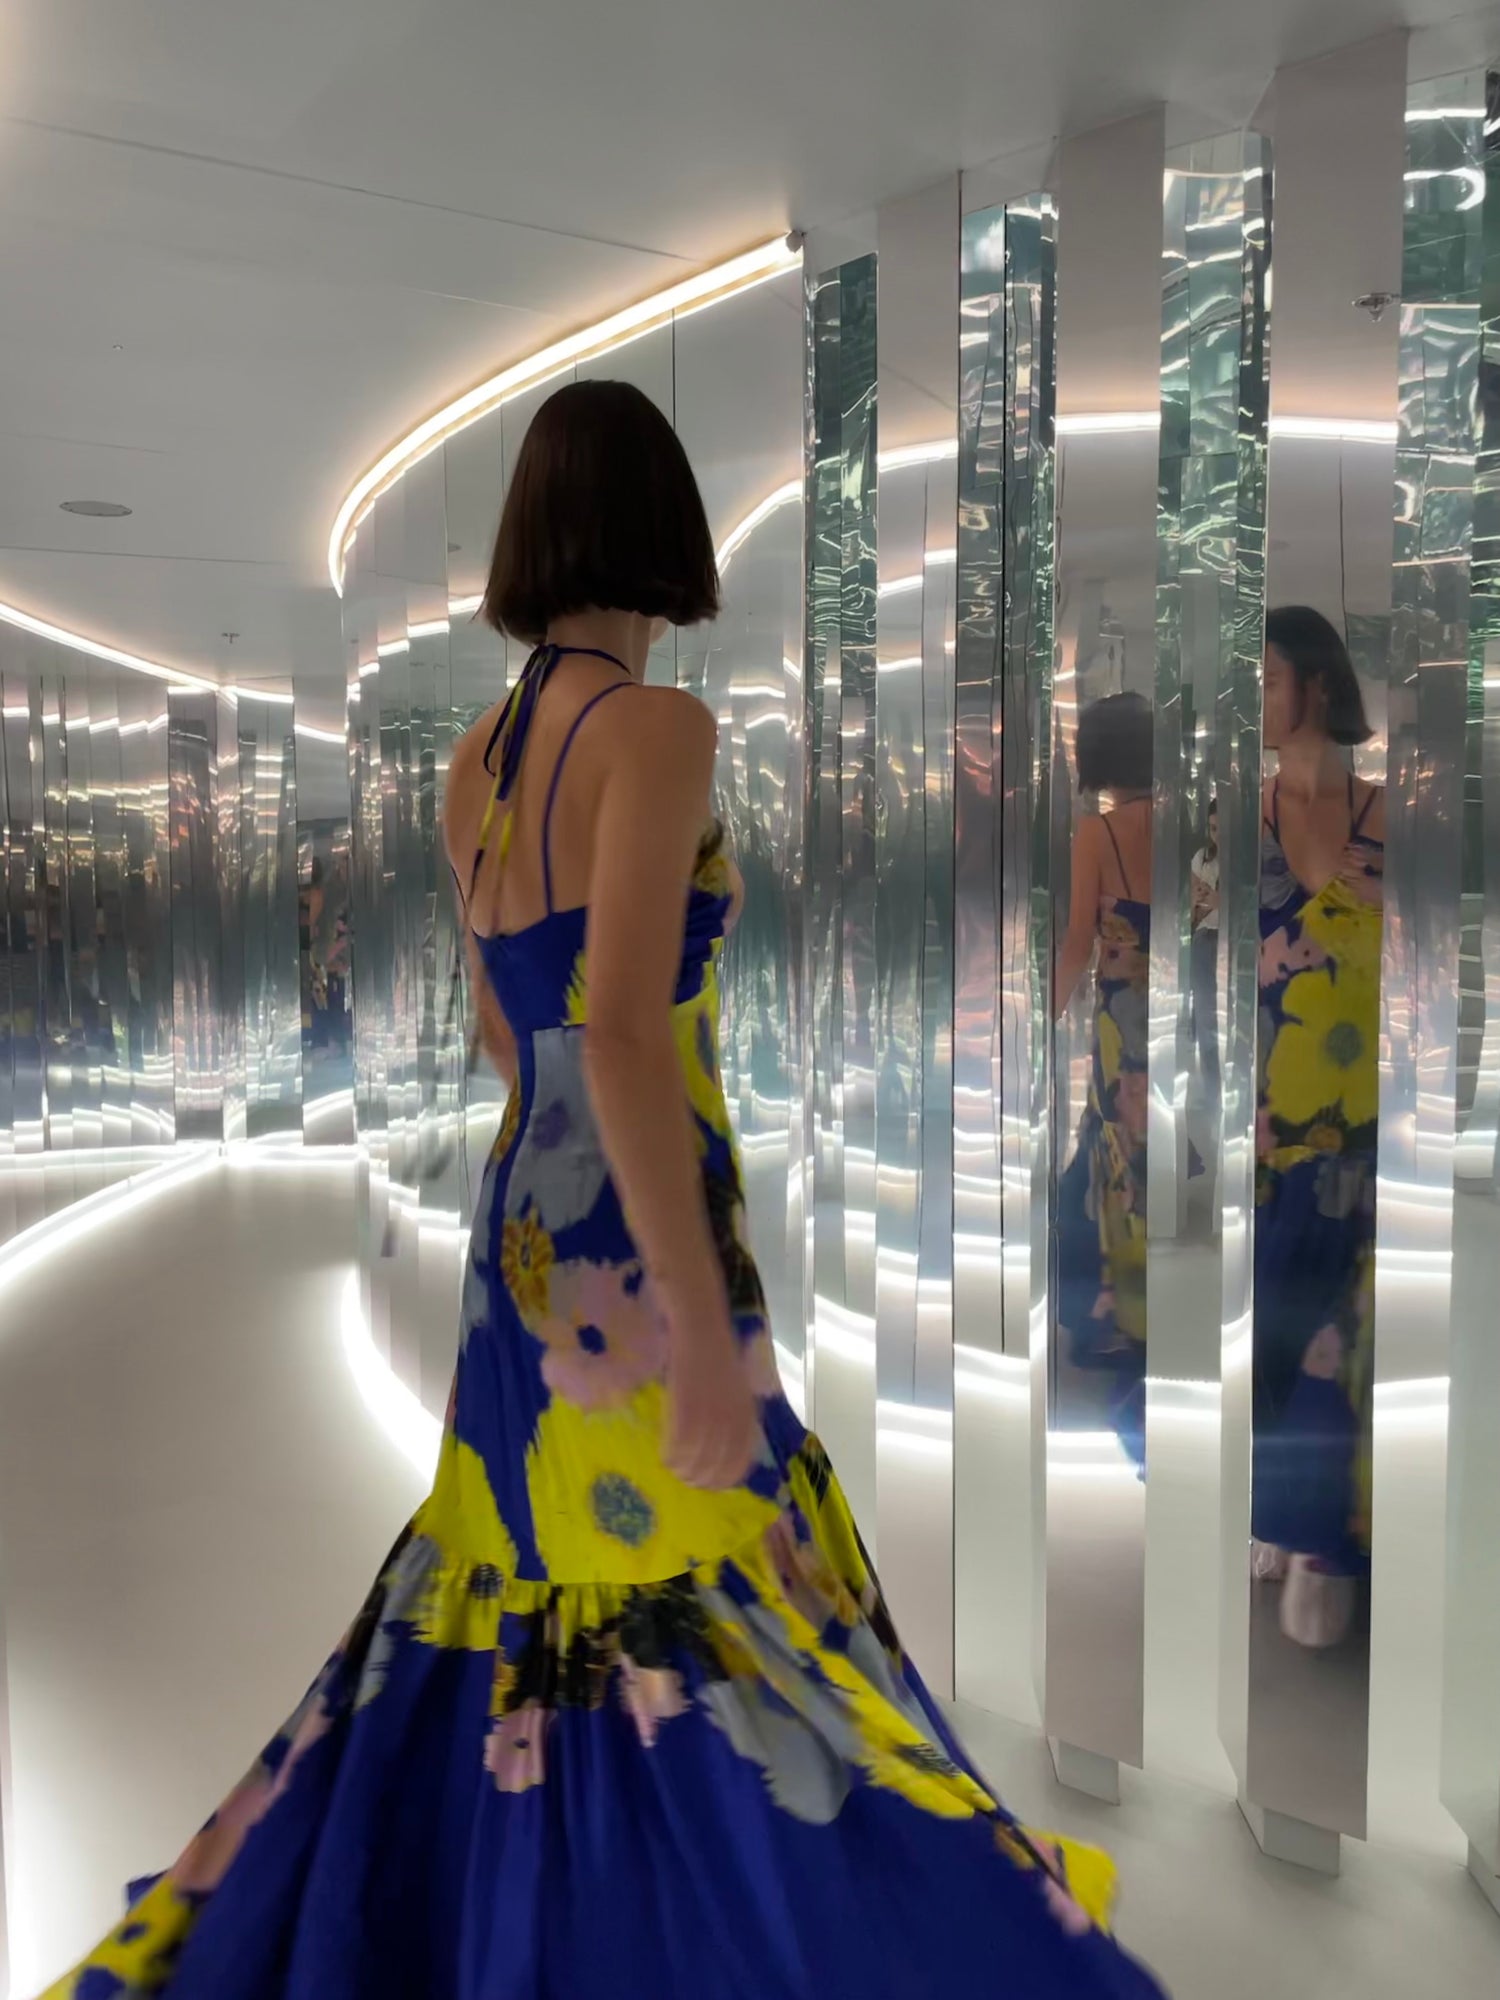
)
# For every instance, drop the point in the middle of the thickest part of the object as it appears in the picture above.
(1315, 1207)
(1101, 1199)
(598, 1734)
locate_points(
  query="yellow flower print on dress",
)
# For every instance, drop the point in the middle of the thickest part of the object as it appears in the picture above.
(694, 1025)
(576, 1003)
(510, 1124)
(606, 1507)
(475, 1557)
(1346, 929)
(1325, 1055)
(1120, 954)
(1110, 1045)
(135, 1951)
(526, 1258)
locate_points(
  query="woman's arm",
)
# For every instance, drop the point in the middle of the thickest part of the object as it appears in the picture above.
(650, 819)
(1077, 947)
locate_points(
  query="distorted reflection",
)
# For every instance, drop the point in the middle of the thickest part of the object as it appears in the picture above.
(1322, 845)
(1101, 1197)
(1205, 971)
(323, 937)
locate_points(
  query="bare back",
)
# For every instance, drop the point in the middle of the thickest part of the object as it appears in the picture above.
(1125, 852)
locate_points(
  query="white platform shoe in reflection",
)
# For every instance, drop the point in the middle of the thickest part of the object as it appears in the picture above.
(1267, 1562)
(1317, 1606)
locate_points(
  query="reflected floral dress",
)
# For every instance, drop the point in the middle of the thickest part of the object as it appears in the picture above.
(1315, 1206)
(598, 1734)
(1101, 1206)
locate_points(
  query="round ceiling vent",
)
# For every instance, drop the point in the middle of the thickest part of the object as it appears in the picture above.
(105, 510)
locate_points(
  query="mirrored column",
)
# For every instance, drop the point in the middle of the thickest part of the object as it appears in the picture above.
(1338, 134)
(913, 917)
(840, 713)
(737, 378)
(1211, 567)
(268, 873)
(1002, 933)
(1471, 1654)
(1099, 878)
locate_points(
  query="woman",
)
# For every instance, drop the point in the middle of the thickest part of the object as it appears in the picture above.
(1101, 1230)
(1322, 848)
(624, 1715)
(1205, 963)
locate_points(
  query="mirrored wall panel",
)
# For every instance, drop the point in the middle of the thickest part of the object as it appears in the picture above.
(149, 985)
(1099, 860)
(325, 937)
(840, 721)
(1002, 935)
(738, 382)
(1202, 1008)
(916, 502)
(1322, 829)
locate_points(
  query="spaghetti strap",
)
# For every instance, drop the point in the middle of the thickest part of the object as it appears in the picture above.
(1119, 857)
(509, 737)
(1356, 823)
(557, 770)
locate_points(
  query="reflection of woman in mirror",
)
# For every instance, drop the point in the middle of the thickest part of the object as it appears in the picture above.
(1322, 848)
(1205, 959)
(1102, 1197)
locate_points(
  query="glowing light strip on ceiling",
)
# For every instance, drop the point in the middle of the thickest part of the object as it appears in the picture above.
(707, 288)
(1122, 423)
(173, 677)
(896, 460)
(39, 628)
(1345, 430)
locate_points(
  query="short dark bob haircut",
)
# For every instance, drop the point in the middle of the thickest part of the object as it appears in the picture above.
(603, 513)
(1315, 652)
(1115, 740)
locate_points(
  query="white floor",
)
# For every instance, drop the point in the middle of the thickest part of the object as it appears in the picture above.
(1218, 1921)
(194, 1496)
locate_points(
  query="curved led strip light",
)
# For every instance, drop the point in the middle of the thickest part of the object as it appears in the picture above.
(178, 677)
(723, 281)
(96, 649)
(896, 460)
(405, 1419)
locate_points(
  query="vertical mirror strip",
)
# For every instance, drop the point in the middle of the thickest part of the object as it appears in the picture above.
(913, 916)
(1097, 871)
(1229, 1017)
(1001, 775)
(841, 703)
(1210, 526)
(1421, 972)
(1471, 1654)
(1339, 139)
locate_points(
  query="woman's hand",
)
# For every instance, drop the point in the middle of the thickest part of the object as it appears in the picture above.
(713, 1429)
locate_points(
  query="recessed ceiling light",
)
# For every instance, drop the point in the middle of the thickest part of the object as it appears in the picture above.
(104, 510)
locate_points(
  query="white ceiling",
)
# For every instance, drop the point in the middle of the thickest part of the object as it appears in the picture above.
(244, 247)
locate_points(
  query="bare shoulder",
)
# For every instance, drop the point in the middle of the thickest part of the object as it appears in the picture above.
(1089, 835)
(660, 730)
